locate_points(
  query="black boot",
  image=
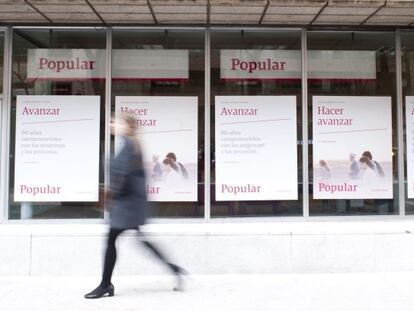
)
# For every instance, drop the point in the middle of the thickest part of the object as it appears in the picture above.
(179, 273)
(101, 291)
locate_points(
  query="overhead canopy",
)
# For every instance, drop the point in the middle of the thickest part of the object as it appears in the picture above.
(203, 12)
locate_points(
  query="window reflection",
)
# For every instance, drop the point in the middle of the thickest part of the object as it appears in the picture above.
(287, 43)
(155, 82)
(53, 42)
(383, 85)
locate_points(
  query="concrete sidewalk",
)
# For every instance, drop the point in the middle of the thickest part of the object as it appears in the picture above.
(296, 292)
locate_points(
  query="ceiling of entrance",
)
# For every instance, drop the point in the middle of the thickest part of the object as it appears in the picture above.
(202, 12)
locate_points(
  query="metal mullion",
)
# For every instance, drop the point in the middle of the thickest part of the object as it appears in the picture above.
(108, 99)
(5, 124)
(400, 124)
(305, 164)
(207, 128)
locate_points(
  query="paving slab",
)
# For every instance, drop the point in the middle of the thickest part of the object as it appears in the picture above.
(319, 292)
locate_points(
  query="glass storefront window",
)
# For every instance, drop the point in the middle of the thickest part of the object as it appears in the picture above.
(247, 64)
(407, 68)
(366, 69)
(59, 62)
(158, 75)
(260, 70)
(1, 60)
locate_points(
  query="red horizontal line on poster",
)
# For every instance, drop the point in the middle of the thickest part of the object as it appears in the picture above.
(256, 121)
(62, 79)
(151, 79)
(341, 80)
(186, 79)
(58, 121)
(113, 79)
(260, 79)
(353, 131)
(299, 79)
(167, 131)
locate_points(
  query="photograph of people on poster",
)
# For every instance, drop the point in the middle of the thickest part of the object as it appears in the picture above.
(169, 171)
(167, 131)
(352, 147)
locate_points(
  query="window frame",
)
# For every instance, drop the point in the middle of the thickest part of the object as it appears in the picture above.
(5, 129)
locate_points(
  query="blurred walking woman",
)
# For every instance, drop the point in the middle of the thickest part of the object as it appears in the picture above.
(128, 206)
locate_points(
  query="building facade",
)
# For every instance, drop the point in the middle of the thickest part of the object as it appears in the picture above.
(291, 123)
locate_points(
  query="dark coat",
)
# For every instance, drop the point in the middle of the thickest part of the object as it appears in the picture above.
(128, 206)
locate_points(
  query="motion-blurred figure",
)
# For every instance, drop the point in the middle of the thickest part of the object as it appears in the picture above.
(156, 169)
(324, 170)
(128, 206)
(354, 168)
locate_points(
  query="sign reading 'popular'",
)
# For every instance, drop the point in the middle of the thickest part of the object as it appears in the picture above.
(90, 64)
(286, 64)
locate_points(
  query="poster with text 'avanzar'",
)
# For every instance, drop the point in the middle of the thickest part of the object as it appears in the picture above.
(256, 148)
(57, 149)
(167, 131)
(352, 147)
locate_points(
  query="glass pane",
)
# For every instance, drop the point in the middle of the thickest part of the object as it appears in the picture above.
(272, 47)
(407, 62)
(352, 81)
(160, 69)
(1, 60)
(60, 78)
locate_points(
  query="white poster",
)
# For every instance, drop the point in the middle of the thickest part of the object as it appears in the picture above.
(352, 147)
(409, 115)
(90, 64)
(168, 127)
(286, 64)
(57, 148)
(256, 148)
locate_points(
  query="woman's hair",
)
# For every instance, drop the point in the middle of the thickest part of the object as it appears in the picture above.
(131, 123)
(132, 127)
(168, 161)
(172, 156)
(367, 154)
(368, 162)
(323, 163)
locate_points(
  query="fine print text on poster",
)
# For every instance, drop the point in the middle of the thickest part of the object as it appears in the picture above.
(57, 148)
(167, 131)
(352, 147)
(256, 151)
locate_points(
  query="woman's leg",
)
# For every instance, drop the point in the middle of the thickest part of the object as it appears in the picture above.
(154, 250)
(176, 270)
(106, 287)
(110, 256)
